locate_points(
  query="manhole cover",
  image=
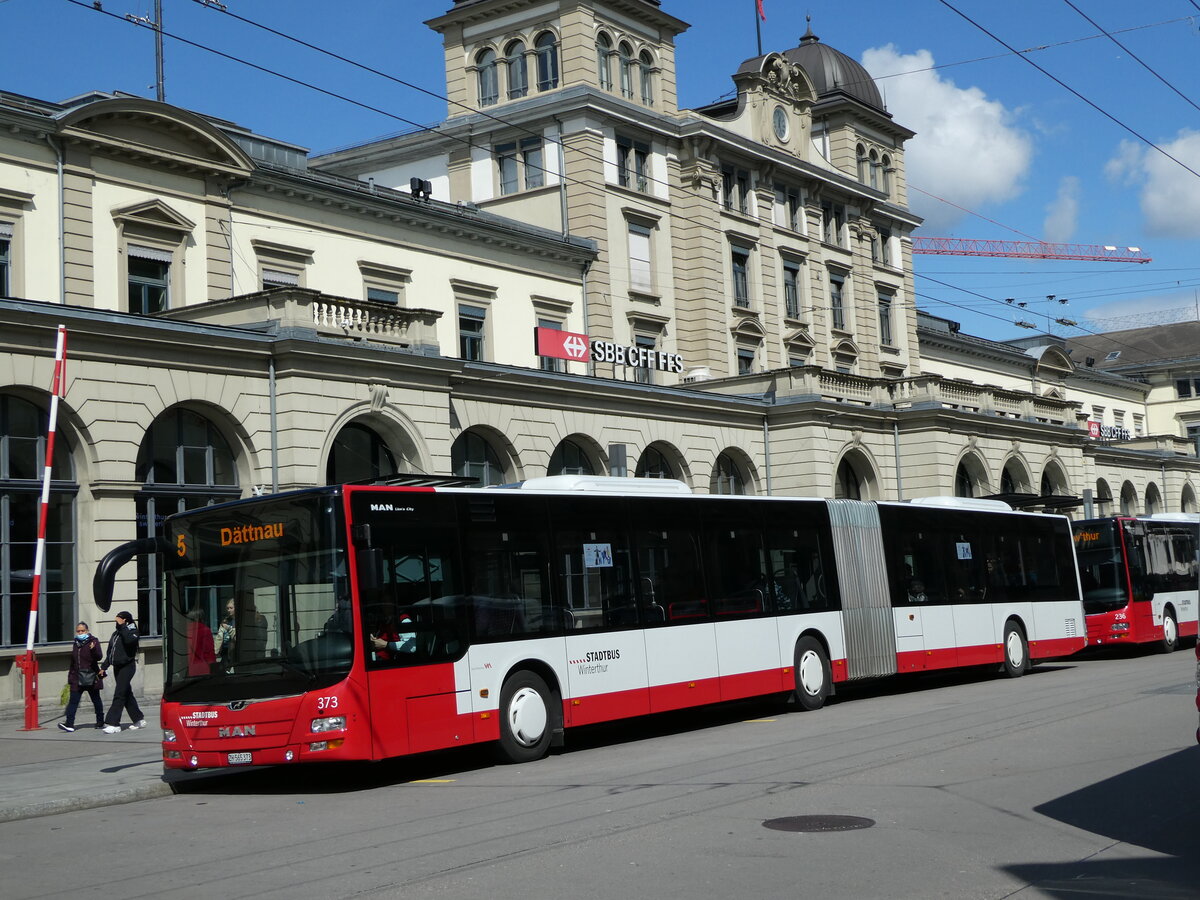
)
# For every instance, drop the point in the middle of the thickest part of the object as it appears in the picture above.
(818, 823)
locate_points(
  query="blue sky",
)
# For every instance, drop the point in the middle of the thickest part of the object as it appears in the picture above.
(997, 137)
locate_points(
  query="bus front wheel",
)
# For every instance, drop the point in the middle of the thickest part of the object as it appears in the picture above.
(1016, 650)
(1170, 635)
(813, 676)
(525, 718)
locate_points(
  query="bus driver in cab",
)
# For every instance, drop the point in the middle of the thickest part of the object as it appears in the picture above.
(387, 640)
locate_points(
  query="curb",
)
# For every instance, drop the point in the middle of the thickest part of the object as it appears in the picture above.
(91, 801)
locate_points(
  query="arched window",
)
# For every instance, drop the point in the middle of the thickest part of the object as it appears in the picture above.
(471, 456)
(625, 61)
(547, 61)
(964, 484)
(874, 161)
(359, 454)
(862, 163)
(23, 429)
(885, 179)
(727, 476)
(569, 459)
(848, 485)
(1187, 499)
(183, 462)
(489, 82)
(653, 464)
(1008, 484)
(1153, 500)
(603, 66)
(1129, 500)
(646, 71)
(518, 74)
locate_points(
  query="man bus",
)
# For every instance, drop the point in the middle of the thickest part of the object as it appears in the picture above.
(406, 619)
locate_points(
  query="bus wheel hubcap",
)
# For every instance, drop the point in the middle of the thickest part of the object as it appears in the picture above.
(1015, 656)
(527, 716)
(812, 674)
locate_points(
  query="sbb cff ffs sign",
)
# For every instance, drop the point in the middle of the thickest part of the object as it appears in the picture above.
(578, 348)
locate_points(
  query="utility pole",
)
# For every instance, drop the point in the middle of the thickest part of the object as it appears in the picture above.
(156, 24)
(158, 52)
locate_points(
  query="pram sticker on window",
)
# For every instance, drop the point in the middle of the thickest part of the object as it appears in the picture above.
(964, 550)
(597, 556)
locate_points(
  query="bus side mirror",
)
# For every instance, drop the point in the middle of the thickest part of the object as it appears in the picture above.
(370, 569)
(106, 570)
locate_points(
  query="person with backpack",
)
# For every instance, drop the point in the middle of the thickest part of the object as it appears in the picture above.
(84, 675)
(122, 656)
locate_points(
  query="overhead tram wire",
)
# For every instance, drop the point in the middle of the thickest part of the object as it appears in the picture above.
(1133, 55)
(982, 312)
(1037, 49)
(1145, 140)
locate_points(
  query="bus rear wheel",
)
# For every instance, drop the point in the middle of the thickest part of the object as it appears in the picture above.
(1170, 635)
(1016, 650)
(525, 718)
(813, 676)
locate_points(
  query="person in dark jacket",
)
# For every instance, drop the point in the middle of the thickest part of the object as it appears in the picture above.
(84, 676)
(122, 656)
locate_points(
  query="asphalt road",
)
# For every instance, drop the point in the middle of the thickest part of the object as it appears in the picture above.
(1078, 780)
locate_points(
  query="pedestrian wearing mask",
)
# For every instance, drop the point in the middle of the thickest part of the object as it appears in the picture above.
(122, 656)
(84, 676)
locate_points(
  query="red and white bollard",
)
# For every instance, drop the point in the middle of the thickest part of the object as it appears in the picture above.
(28, 661)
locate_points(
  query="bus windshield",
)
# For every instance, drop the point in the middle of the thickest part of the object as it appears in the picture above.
(1100, 570)
(257, 600)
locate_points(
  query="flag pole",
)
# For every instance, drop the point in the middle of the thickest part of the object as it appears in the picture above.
(28, 662)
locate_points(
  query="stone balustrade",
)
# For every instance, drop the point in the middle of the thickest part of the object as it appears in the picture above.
(340, 317)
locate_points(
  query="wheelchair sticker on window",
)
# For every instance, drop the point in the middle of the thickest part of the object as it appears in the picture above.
(597, 556)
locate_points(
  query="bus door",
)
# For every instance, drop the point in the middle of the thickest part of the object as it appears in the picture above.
(676, 611)
(414, 623)
(596, 593)
(744, 568)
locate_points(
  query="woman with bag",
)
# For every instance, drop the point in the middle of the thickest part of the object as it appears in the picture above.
(84, 675)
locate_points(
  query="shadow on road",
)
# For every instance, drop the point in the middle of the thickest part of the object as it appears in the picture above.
(1153, 807)
(337, 778)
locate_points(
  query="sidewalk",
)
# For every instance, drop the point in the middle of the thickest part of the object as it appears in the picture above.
(48, 771)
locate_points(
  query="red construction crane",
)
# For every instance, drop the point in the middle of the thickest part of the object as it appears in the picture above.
(937, 246)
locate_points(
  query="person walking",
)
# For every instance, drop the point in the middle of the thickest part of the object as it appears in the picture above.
(122, 656)
(84, 676)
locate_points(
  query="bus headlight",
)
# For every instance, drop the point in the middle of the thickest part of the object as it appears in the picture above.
(168, 736)
(329, 723)
(1120, 626)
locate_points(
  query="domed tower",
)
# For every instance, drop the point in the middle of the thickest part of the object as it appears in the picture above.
(851, 127)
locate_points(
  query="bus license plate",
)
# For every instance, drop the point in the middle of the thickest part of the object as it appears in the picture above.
(238, 759)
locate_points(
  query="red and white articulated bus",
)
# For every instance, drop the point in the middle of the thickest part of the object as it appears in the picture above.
(1139, 577)
(378, 621)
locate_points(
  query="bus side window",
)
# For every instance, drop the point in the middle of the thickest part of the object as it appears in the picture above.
(736, 569)
(669, 582)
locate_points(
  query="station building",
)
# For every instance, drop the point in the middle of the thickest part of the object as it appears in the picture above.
(243, 318)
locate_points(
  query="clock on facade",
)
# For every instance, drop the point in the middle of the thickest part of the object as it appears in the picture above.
(780, 120)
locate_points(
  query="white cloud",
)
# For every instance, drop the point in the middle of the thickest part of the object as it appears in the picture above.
(1062, 215)
(967, 149)
(1170, 194)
